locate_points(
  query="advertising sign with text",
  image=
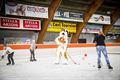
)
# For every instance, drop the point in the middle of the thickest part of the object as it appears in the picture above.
(100, 19)
(56, 27)
(14, 23)
(68, 16)
(26, 10)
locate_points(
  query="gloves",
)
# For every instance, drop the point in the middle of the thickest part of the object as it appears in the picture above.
(61, 39)
(2, 56)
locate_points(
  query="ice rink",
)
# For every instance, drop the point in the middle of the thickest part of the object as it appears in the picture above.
(46, 69)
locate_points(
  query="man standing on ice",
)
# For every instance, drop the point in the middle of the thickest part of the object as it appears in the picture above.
(62, 41)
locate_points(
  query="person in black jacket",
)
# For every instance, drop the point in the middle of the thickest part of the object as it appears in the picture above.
(100, 47)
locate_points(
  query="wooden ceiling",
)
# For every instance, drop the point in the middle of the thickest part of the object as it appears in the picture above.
(107, 7)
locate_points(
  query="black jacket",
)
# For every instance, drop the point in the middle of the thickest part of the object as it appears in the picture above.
(99, 40)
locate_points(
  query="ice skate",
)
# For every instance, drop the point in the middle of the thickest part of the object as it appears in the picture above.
(99, 67)
(110, 67)
(8, 64)
(31, 60)
(34, 60)
(13, 63)
(57, 63)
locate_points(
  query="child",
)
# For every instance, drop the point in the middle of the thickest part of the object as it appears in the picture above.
(8, 51)
(32, 51)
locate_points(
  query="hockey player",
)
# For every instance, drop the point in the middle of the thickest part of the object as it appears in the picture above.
(10, 53)
(62, 41)
(32, 51)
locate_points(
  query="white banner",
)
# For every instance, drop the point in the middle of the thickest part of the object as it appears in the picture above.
(14, 23)
(117, 23)
(26, 10)
(68, 16)
(92, 28)
(100, 19)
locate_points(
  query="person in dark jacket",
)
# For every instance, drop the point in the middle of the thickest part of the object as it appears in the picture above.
(100, 47)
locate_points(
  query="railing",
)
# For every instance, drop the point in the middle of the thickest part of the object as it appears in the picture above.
(26, 46)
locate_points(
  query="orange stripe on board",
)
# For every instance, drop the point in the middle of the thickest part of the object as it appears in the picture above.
(26, 46)
(113, 44)
(46, 45)
(80, 45)
(1, 47)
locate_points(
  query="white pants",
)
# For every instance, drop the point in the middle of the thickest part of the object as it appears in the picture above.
(60, 54)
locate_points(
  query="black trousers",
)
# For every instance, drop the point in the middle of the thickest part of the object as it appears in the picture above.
(32, 56)
(10, 58)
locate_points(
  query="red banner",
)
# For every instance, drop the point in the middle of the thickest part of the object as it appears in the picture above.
(13, 23)
(31, 24)
(10, 23)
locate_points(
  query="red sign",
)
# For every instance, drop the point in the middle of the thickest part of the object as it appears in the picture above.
(11, 23)
(31, 24)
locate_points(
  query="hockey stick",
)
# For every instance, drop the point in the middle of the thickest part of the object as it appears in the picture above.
(70, 58)
(1, 59)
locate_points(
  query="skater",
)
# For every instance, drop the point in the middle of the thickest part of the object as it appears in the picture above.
(10, 53)
(62, 41)
(32, 51)
(100, 47)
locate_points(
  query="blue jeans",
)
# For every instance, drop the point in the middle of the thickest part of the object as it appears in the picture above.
(103, 50)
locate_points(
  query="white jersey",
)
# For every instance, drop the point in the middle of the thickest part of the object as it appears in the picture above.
(8, 50)
(65, 35)
(61, 41)
(58, 42)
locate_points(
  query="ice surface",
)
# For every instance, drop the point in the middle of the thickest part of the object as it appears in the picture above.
(45, 69)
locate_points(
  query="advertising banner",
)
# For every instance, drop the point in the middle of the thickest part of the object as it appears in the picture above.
(56, 27)
(100, 19)
(115, 30)
(68, 16)
(92, 28)
(117, 23)
(9, 23)
(26, 10)
(14, 23)
(31, 24)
